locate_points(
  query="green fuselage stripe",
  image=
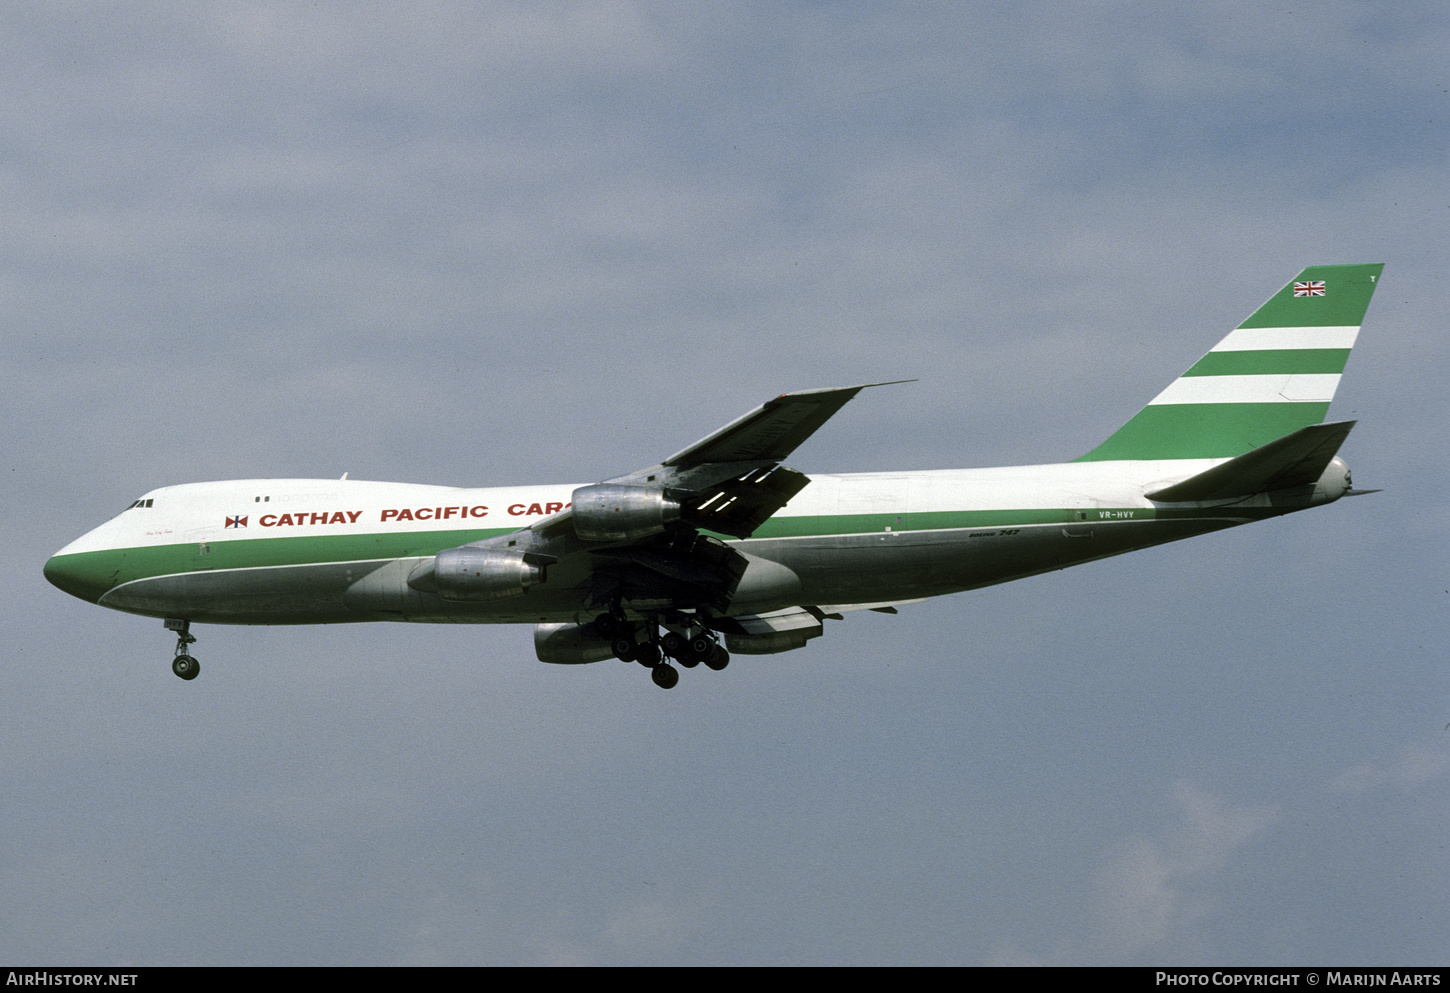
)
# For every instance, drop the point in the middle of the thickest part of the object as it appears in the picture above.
(1272, 361)
(91, 574)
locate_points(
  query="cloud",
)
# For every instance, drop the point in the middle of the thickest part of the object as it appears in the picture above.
(1152, 888)
(1415, 764)
(1155, 893)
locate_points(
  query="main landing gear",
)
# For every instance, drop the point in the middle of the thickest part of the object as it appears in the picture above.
(183, 664)
(642, 643)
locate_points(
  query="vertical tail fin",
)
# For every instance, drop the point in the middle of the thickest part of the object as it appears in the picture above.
(1274, 374)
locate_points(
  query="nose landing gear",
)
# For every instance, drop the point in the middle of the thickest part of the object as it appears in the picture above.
(183, 664)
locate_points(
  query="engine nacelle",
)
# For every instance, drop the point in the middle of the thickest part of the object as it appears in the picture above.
(768, 644)
(483, 574)
(766, 634)
(570, 644)
(621, 512)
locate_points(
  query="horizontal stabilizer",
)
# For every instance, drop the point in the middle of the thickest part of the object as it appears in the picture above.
(1297, 459)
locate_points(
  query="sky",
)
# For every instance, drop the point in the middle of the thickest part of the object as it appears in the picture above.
(555, 242)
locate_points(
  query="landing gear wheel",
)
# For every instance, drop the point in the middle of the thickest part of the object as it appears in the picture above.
(650, 657)
(624, 648)
(718, 659)
(607, 625)
(665, 675)
(182, 663)
(674, 644)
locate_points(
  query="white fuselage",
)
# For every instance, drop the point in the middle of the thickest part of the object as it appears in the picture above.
(306, 550)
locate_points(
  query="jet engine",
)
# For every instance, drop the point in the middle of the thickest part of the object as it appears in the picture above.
(570, 644)
(483, 574)
(768, 644)
(622, 512)
(766, 634)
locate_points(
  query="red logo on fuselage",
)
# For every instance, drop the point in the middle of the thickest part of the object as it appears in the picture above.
(317, 517)
(433, 513)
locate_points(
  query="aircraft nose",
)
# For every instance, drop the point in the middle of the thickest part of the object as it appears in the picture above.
(74, 575)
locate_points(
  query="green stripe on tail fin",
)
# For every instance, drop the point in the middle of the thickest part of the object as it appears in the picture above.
(1274, 374)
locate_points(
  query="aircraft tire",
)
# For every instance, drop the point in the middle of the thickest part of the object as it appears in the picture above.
(606, 625)
(718, 659)
(674, 645)
(648, 655)
(185, 666)
(624, 648)
(701, 646)
(665, 676)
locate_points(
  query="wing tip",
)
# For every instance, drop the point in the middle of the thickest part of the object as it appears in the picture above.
(845, 389)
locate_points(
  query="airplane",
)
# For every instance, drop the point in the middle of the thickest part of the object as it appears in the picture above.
(722, 541)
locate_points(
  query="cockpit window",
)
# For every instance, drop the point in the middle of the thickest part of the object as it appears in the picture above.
(139, 503)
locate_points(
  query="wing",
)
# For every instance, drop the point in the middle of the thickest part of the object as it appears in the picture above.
(651, 539)
(770, 432)
(729, 482)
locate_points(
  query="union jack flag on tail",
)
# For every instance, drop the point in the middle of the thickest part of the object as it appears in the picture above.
(1310, 288)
